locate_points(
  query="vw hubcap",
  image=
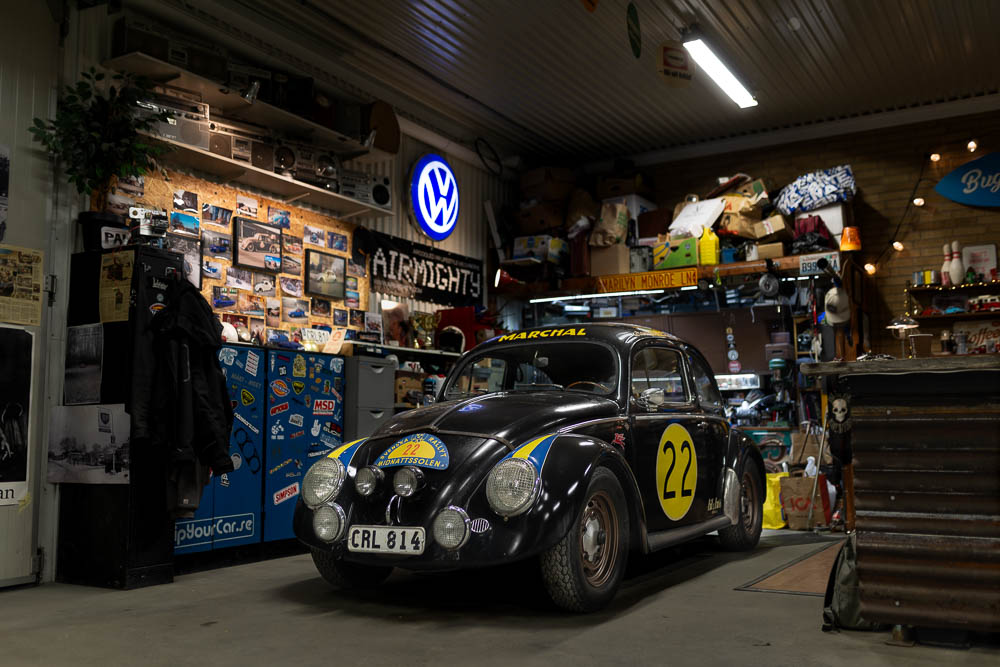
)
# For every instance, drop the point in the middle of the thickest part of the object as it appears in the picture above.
(599, 539)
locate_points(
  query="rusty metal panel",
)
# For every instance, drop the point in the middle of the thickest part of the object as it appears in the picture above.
(927, 491)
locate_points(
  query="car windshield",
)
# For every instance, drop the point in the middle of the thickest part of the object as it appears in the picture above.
(563, 366)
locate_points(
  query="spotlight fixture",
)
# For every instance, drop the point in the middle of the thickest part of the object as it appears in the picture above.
(935, 157)
(250, 94)
(502, 279)
(719, 73)
(918, 201)
(870, 269)
(897, 246)
(972, 146)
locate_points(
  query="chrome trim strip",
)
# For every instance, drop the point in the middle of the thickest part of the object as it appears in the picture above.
(645, 416)
(667, 538)
(592, 422)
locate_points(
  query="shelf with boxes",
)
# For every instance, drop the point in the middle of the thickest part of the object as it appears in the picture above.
(217, 132)
(971, 301)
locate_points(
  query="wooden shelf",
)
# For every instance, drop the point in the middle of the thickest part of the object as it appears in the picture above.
(968, 287)
(285, 189)
(521, 261)
(959, 316)
(397, 349)
(231, 104)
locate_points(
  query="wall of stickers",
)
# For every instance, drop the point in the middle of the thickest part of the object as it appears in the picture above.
(262, 264)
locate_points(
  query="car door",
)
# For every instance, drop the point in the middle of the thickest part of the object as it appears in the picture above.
(712, 430)
(667, 450)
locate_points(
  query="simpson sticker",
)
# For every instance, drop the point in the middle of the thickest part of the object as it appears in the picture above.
(286, 493)
(419, 449)
(278, 409)
(253, 360)
(280, 388)
(324, 406)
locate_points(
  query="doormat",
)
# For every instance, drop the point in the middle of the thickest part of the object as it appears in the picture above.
(806, 575)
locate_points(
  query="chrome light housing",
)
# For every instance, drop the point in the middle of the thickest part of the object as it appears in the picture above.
(451, 527)
(323, 482)
(407, 481)
(367, 480)
(329, 522)
(512, 486)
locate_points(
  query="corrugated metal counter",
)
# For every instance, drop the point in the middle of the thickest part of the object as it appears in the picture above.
(926, 440)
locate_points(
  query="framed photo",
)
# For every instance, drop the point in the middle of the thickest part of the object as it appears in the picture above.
(325, 274)
(256, 245)
(319, 308)
(217, 245)
(191, 250)
(215, 215)
(339, 317)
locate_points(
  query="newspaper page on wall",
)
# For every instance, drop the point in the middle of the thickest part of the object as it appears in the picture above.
(115, 286)
(89, 444)
(20, 285)
(15, 392)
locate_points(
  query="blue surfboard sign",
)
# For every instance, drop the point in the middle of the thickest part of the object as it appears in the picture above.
(975, 183)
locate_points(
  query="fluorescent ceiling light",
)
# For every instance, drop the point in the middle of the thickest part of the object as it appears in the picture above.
(720, 74)
(549, 299)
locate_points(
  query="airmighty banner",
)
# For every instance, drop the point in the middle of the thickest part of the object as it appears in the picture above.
(408, 269)
(975, 183)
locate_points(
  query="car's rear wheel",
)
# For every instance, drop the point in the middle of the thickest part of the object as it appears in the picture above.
(745, 534)
(342, 574)
(582, 572)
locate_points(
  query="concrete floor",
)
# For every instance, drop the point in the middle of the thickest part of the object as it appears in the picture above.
(676, 607)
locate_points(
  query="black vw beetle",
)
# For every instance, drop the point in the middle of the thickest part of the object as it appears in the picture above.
(571, 444)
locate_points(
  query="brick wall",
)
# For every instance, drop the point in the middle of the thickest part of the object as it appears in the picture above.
(886, 164)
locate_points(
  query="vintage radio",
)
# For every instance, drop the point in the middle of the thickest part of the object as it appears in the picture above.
(368, 189)
(188, 123)
(243, 142)
(299, 161)
(134, 34)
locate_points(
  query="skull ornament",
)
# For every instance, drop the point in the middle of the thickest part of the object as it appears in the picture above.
(840, 412)
(840, 409)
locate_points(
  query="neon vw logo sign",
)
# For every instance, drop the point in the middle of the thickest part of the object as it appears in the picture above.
(434, 196)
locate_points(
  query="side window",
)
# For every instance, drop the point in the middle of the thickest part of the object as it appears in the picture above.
(657, 379)
(704, 384)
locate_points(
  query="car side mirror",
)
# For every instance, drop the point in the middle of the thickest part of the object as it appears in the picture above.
(652, 398)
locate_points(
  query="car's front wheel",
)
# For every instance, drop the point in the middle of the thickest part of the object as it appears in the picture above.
(348, 575)
(582, 572)
(745, 533)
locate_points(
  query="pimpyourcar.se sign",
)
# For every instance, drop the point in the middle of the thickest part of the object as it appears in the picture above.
(408, 269)
(434, 200)
(975, 183)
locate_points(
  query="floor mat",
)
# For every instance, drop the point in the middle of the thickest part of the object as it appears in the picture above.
(803, 576)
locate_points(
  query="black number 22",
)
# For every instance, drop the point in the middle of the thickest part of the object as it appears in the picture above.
(667, 495)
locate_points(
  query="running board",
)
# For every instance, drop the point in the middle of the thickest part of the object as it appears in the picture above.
(668, 538)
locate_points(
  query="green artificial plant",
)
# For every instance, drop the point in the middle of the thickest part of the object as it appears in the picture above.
(97, 133)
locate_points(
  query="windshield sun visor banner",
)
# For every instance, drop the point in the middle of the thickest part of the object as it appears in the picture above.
(407, 269)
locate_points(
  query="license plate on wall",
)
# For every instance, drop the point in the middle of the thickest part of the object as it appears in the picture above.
(405, 541)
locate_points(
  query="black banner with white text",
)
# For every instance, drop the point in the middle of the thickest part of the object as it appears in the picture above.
(407, 269)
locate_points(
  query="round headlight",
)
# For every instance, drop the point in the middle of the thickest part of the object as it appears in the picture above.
(367, 480)
(329, 522)
(323, 482)
(512, 486)
(407, 481)
(451, 527)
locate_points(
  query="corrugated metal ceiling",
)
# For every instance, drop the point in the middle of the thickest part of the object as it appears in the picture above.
(548, 78)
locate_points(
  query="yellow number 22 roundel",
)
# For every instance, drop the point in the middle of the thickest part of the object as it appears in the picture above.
(676, 471)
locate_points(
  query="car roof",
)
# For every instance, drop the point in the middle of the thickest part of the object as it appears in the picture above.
(616, 334)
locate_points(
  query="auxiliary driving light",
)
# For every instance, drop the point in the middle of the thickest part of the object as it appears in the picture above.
(367, 480)
(329, 522)
(451, 527)
(407, 481)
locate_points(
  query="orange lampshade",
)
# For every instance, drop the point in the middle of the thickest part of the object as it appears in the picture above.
(850, 239)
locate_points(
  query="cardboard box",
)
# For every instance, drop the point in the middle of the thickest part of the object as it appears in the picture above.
(636, 205)
(775, 228)
(769, 250)
(406, 382)
(805, 445)
(540, 219)
(756, 191)
(739, 216)
(675, 254)
(779, 351)
(835, 217)
(742, 205)
(653, 223)
(616, 186)
(609, 260)
(795, 501)
(547, 184)
(532, 246)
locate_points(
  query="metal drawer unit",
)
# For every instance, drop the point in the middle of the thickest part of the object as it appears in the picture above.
(369, 396)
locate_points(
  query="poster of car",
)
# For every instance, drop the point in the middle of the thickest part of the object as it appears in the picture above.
(279, 217)
(182, 223)
(89, 444)
(290, 286)
(211, 269)
(186, 201)
(216, 215)
(191, 250)
(339, 317)
(246, 206)
(292, 264)
(15, 391)
(84, 358)
(325, 274)
(294, 311)
(251, 304)
(263, 284)
(314, 235)
(224, 297)
(273, 317)
(357, 318)
(217, 245)
(335, 241)
(256, 245)
(292, 245)
(319, 307)
(238, 278)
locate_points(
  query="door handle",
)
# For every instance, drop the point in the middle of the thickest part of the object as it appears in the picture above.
(378, 369)
(377, 414)
(703, 426)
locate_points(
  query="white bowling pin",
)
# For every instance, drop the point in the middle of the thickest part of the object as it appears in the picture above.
(955, 269)
(945, 274)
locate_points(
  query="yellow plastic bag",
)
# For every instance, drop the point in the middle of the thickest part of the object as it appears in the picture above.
(773, 516)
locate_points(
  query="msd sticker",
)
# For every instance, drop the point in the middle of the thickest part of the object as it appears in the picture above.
(286, 493)
(324, 406)
(280, 388)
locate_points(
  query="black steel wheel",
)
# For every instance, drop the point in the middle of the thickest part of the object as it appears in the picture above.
(582, 571)
(342, 574)
(745, 534)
